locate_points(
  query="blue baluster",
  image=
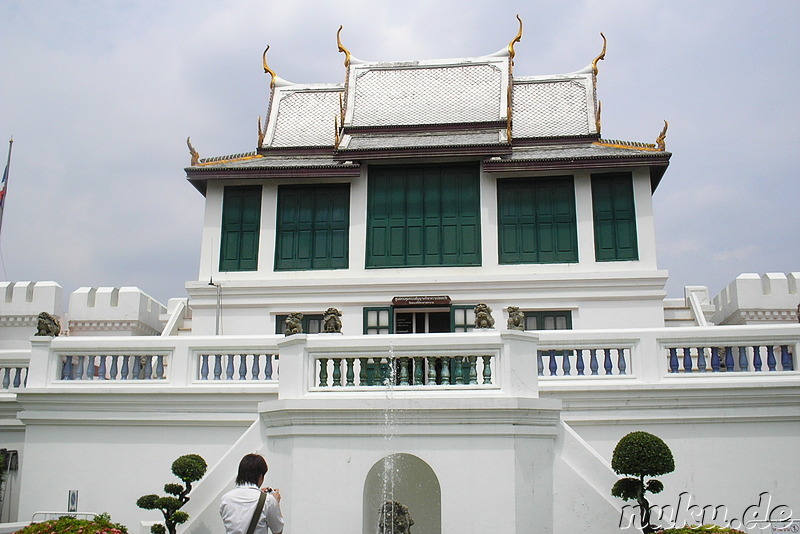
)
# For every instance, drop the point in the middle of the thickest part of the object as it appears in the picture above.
(715, 364)
(566, 364)
(539, 363)
(217, 366)
(701, 359)
(160, 367)
(268, 367)
(79, 370)
(229, 369)
(786, 359)
(744, 364)
(243, 367)
(757, 358)
(256, 367)
(673, 360)
(622, 365)
(579, 361)
(593, 365)
(137, 367)
(148, 367)
(103, 367)
(553, 365)
(18, 377)
(6, 378)
(66, 371)
(114, 368)
(729, 363)
(771, 357)
(607, 365)
(687, 360)
(204, 367)
(125, 367)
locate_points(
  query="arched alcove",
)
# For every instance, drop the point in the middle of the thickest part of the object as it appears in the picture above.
(409, 480)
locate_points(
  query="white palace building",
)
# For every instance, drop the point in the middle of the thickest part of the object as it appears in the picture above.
(404, 198)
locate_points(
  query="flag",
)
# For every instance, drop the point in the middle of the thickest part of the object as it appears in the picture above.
(4, 182)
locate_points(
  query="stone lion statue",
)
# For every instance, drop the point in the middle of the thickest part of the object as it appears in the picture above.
(483, 316)
(394, 519)
(331, 321)
(516, 319)
(294, 323)
(48, 325)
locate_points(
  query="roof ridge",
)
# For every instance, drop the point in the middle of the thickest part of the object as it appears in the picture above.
(232, 157)
(633, 145)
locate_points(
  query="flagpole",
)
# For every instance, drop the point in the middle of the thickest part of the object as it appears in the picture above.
(4, 183)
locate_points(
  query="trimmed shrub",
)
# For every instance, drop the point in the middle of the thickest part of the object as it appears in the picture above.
(189, 468)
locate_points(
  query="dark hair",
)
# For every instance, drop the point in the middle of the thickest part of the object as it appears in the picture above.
(251, 468)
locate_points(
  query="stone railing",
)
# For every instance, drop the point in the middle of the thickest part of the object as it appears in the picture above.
(13, 371)
(165, 361)
(485, 360)
(656, 355)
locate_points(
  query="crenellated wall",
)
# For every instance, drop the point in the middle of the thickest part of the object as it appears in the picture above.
(753, 298)
(20, 305)
(96, 311)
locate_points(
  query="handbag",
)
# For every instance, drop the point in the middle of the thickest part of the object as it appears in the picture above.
(257, 513)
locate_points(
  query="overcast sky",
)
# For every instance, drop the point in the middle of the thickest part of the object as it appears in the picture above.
(100, 97)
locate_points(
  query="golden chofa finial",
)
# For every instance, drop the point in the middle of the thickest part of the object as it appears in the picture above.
(601, 56)
(261, 132)
(268, 70)
(193, 152)
(660, 144)
(515, 40)
(342, 49)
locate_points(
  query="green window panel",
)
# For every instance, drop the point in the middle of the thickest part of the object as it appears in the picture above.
(462, 318)
(423, 216)
(313, 224)
(379, 320)
(614, 217)
(536, 220)
(241, 216)
(548, 320)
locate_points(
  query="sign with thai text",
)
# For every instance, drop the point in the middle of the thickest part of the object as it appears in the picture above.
(442, 300)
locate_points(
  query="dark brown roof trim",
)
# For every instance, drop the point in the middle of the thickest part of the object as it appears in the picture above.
(199, 179)
(295, 150)
(437, 127)
(428, 151)
(565, 140)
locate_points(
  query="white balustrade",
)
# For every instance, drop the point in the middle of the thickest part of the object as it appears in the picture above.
(471, 360)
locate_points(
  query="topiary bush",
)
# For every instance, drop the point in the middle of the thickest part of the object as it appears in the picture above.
(189, 468)
(641, 455)
(69, 525)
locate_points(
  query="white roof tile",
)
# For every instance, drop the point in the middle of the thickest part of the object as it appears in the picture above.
(412, 94)
(303, 117)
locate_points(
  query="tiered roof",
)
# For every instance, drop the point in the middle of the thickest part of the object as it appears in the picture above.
(468, 107)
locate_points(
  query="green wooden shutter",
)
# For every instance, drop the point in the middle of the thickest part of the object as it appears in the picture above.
(614, 217)
(241, 216)
(536, 220)
(419, 216)
(313, 224)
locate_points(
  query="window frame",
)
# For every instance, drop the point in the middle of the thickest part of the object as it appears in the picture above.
(240, 227)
